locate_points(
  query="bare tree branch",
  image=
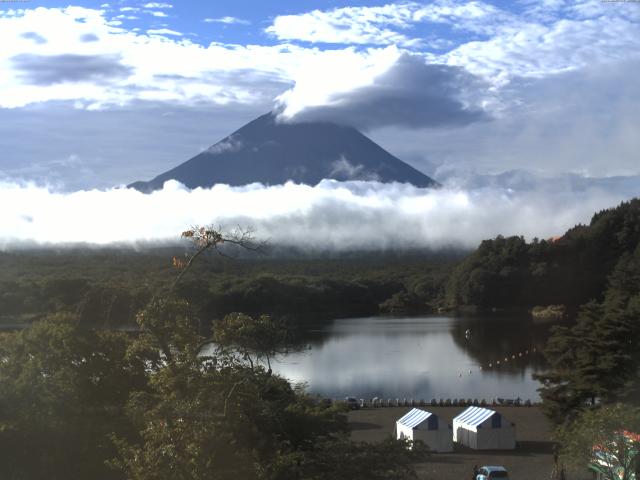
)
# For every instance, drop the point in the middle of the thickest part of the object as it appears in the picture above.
(210, 238)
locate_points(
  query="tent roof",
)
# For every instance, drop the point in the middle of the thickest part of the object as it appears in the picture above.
(414, 418)
(474, 416)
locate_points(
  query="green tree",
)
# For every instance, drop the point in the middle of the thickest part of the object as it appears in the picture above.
(598, 358)
(495, 275)
(185, 418)
(607, 438)
(261, 337)
(589, 362)
(215, 417)
(63, 391)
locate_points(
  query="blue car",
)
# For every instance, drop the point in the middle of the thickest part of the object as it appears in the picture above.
(490, 472)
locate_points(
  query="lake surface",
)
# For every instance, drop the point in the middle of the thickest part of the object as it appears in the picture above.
(420, 358)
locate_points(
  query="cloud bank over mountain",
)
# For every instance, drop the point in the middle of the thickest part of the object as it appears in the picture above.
(410, 94)
(334, 216)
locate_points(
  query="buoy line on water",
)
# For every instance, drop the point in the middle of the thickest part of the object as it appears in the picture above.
(506, 359)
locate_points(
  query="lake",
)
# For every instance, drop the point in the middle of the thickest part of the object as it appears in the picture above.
(420, 358)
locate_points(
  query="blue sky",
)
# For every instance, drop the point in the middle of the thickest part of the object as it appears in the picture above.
(240, 22)
(96, 94)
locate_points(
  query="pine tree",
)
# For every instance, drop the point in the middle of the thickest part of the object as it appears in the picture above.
(597, 359)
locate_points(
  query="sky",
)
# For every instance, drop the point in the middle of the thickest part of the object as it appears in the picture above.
(489, 98)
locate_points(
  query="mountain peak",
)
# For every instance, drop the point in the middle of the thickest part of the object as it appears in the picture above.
(272, 152)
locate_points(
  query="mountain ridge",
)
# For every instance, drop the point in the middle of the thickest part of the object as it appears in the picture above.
(271, 152)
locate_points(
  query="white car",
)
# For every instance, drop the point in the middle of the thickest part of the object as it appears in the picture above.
(489, 472)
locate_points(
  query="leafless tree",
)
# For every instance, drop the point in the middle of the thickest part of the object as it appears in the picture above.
(209, 238)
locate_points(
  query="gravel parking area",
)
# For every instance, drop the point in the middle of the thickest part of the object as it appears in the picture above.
(531, 460)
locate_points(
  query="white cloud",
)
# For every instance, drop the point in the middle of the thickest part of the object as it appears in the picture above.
(152, 58)
(344, 167)
(388, 24)
(12, 12)
(228, 20)
(542, 40)
(156, 13)
(355, 25)
(546, 39)
(538, 50)
(231, 144)
(497, 46)
(517, 46)
(314, 87)
(474, 16)
(410, 93)
(158, 5)
(582, 121)
(332, 215)
(163, 31)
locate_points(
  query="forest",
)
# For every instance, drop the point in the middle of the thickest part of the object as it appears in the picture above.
(107, 287)
(570, 270)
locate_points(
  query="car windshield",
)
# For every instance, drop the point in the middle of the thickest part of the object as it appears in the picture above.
(499, 474)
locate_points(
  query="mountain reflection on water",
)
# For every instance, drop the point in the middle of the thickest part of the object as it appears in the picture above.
(420, 358)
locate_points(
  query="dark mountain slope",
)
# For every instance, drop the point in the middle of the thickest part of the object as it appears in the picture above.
(272, 153)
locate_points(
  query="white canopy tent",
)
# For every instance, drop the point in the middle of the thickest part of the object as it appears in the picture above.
(484, 429)
(426, 427)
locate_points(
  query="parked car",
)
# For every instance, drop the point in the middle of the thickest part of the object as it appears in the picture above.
(490, 472)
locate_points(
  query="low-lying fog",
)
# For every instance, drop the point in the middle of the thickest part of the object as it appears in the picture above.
(330, 216)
